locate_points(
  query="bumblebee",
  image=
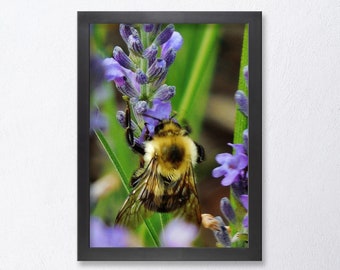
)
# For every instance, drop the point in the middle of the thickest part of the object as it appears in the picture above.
(165, 181)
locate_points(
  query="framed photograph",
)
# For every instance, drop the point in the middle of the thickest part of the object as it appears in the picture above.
(169, 136)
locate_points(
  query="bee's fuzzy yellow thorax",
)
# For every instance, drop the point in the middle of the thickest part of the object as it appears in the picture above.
(173, 149)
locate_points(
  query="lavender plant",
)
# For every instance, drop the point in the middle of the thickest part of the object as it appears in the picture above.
(140, 74)
(233, 168)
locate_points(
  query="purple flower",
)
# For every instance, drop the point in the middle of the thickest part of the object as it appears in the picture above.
(102, 235)
(232, 166)
(178, 233)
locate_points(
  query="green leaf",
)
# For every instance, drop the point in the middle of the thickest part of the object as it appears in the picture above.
(241, 121)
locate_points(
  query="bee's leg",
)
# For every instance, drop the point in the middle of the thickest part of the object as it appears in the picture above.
(147, 136)
(129, 132)
(200, 152)
(186, 127)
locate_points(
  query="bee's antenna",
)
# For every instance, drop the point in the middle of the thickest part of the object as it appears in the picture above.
(150, 116)
(173, 115)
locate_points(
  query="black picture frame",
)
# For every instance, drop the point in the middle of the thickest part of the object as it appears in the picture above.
(254, 251)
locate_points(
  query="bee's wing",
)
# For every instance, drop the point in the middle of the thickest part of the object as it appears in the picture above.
(190, 211)
(133, 211)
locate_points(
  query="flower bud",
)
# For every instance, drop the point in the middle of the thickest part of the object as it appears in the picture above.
(156, 69)
(148, 27)
(125, 86)
(141, 106)
(165, 92)
(165, 35)
(135, 44)
(227, 210)
(120, 56)
(242, 101)
(150, 53)
(121, 117)
(170, 57)
(125, 32)
(141, 77)
(222, 235)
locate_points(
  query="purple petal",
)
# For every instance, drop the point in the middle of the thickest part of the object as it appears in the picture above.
(238, 147)
(223, 158)
(242, 161)
(231, 176)
(113, 69)
(219, 171)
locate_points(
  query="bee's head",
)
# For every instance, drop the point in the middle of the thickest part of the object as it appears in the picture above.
(167, 126)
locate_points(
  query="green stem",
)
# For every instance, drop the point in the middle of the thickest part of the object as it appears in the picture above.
(114, 160)
(207, 42)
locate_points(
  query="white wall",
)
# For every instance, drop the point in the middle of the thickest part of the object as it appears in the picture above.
(301, 111)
